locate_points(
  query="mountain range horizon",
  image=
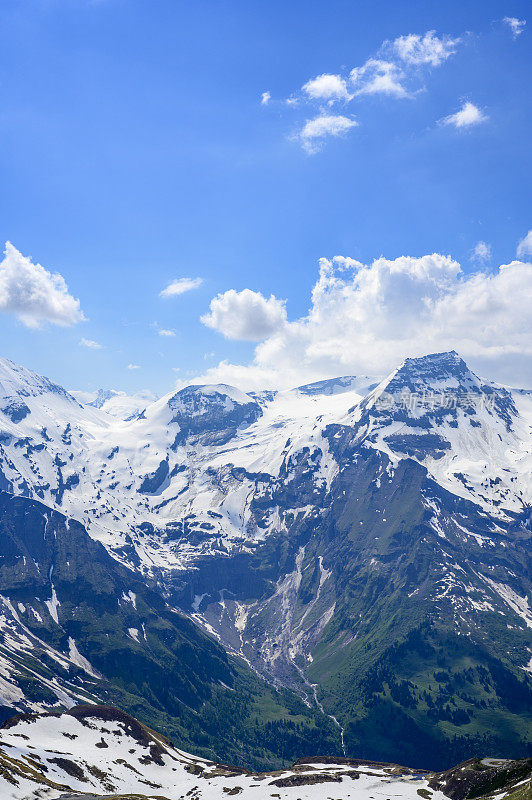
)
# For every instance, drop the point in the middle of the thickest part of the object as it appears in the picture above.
(100, 398)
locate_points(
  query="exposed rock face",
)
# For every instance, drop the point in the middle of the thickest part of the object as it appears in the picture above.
(211, 415)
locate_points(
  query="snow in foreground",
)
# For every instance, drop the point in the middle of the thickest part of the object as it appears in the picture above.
(101, 751)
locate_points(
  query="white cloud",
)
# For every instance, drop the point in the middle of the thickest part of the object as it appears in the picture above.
(265, 98)
(245, 315)
(387, 72)
(91, 344)
(378, 77)
(427, 49)
(366, 319)
(168, 332)
(133, 366)
(467, 116)
(524, 247)
(180, 286)
(516, 25)
(393, 71)
(481, 253)
(33, 294)
(316, 130)
(327, 87)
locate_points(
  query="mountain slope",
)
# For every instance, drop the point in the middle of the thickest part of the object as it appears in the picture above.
(398, 600)
(76, 626)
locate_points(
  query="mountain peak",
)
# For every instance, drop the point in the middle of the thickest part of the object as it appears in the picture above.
(332, 386)
(17, 381)
(436, 367)
(443, 374)
(213, 390)
(213, 412)
(102, 396)
(436, 386)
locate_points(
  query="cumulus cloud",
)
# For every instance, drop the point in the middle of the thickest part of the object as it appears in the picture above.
(265, 98)
(180, 286)
(133, 366)
(524, 248)
(245, 315)
(315, 131)
(365, 319)
(427, 49)
(327, 87)
(516, 25)
(33, 294)
(378, 77)
(91, 344)
(467, 116)
(166, 332)
(481, 253)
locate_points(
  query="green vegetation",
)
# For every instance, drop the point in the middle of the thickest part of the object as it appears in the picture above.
(169, 675)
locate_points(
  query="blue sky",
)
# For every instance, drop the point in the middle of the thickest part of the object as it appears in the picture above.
(135, 151)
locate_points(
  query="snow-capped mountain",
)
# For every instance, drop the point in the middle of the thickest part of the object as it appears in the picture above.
(323, 535)
(474, 437)
(186, 475)
(117, 404)
(180, 460)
